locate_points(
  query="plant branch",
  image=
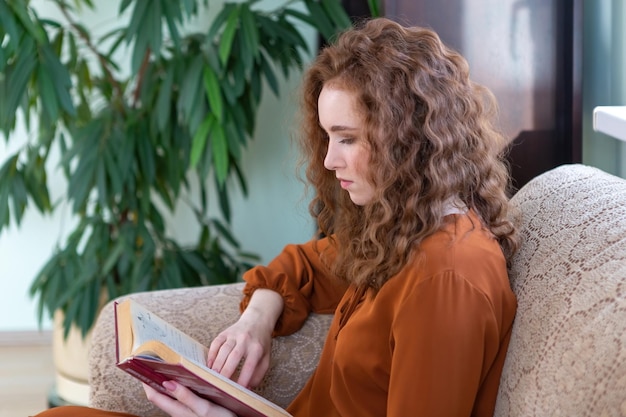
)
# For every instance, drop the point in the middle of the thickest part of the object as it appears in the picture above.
(103, 61)
(140, 76)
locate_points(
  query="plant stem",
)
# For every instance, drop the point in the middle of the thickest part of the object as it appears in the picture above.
(140, 76)
(101, 59)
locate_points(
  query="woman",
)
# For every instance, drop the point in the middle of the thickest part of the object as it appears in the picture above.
(410, 192)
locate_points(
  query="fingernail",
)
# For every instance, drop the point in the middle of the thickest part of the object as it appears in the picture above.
(170, 386)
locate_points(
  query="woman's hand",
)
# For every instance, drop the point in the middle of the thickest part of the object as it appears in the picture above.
(185, 403)
(249, 339)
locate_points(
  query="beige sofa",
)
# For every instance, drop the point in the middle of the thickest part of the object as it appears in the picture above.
(568, 350)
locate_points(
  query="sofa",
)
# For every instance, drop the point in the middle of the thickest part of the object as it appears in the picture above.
(567, 355)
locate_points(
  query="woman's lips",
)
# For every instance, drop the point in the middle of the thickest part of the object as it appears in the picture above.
(345, 183)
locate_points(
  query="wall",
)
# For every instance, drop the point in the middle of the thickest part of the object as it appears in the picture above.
(273, 215)
(604, 79)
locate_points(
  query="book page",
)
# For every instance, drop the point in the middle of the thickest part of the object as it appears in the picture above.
(148, 326)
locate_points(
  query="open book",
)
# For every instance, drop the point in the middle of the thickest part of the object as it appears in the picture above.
(154, 351)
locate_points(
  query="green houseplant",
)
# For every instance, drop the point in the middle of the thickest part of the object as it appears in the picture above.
(130, 139)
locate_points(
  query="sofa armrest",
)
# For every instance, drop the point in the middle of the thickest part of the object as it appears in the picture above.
(567, 354)
(201, 312)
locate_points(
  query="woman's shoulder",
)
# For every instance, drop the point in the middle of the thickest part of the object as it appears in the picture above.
(463, 253)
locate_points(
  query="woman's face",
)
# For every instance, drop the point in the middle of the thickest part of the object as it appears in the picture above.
(348, 153)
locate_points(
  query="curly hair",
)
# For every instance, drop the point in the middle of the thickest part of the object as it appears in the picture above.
(431, 135)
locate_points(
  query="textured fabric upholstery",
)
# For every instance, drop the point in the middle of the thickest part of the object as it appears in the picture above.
(567, 355)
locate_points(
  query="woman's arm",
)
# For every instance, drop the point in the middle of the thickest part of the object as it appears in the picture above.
(277, 300)
(300, 274)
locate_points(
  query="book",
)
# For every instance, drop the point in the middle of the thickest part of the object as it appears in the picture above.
(153, 350)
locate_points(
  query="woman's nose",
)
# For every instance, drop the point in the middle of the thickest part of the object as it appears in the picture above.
(330, 161)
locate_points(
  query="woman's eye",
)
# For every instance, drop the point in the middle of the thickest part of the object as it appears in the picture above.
(347, 141)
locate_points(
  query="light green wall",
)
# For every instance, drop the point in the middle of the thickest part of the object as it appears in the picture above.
(273, 215)
(604, 79)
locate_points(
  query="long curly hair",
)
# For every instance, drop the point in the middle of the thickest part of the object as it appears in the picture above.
(431, 135)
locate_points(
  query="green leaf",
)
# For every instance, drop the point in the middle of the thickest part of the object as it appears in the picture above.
(283, 31)
(224, 232)
(323, 23)
(156, 32)
(245, 60)
(171, 275)
(195, 262)
(233, 136)
(301, 16)
(19, 196)
(336, 12)
(220, 19)
(242, 180)
(270, 77)
(57, 42)
(374, 8)
(138, 15)
(190, 6)
(223, 200)
(17, 76)
(62, 82)
(119, 35)
(191, 88)
(145, 29)
(20, 10)
(112, 171)
(145, 149)
(157, 220)
(226, 41)
(256, 86)
(239, 78)
(83, 178)
(113, 256)
(46, 91)
(9, 26)
(249, 31)
(101, 182)
(3, 59)
(213, 92)
(73, 51)
(125, 159)
(124, 5)
(5, 213)
(220, 152)
(36, 184)
(164, 100)
(173, 16)
(199, 140)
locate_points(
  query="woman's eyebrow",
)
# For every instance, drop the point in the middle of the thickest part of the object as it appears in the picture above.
(341, 128)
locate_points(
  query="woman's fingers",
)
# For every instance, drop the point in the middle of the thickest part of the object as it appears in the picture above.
(226, 355)
(185, 403)
(214, 349)
(168, 404)
(244, 344)
(228, 358)
(256, 363)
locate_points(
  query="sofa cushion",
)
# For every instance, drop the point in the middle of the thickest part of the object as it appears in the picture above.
(567, 355)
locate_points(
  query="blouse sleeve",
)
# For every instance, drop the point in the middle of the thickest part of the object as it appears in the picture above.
(445, 332)
(303, 279)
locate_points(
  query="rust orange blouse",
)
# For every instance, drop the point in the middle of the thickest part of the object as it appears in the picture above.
(432, 342)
